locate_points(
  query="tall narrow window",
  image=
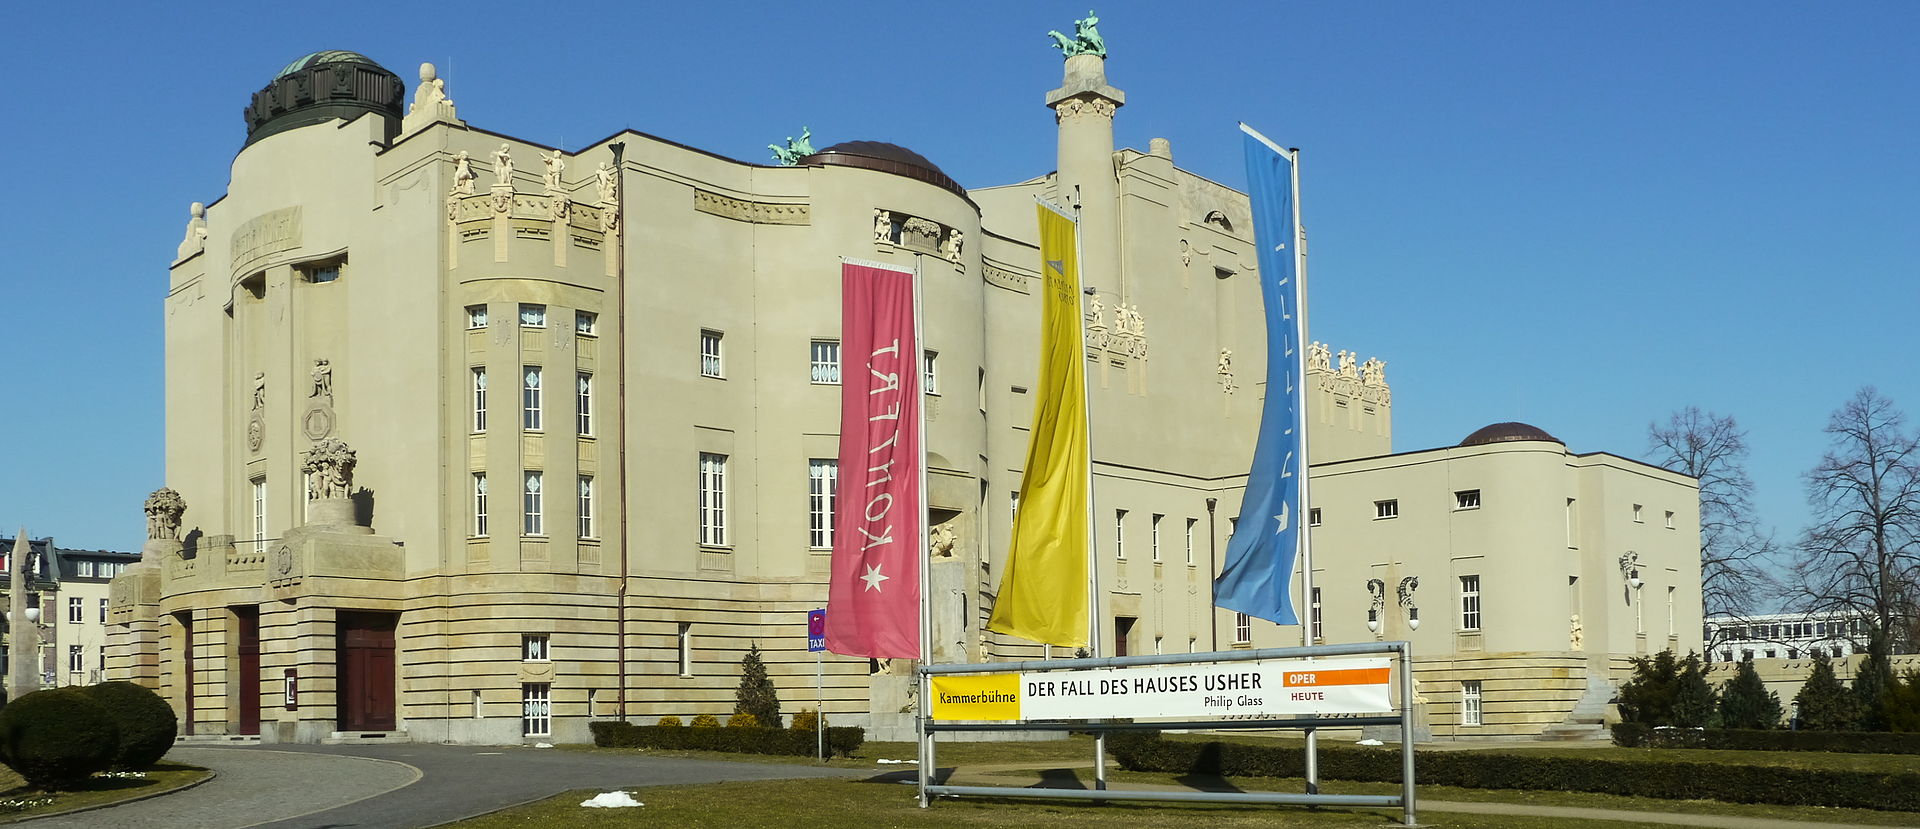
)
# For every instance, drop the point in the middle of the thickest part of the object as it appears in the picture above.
(1191, 523)
(530, 418)
(1242, 629)
(103, 611)
(75, 658)
(1636, 515)
(822, 484)
(76, 610)
(479, 399)
(929, 377)
(534, 523)
(825, 359)
(1319, 630)
(1573, 524)
(583, 403)
(1469, 602)
(1120, 534)
(476, 316)
(533, 315)
(713, 499)
(1669, 519)
(1155, 539)
(536, 707)
(1013, 506)
(479, 504)
(1470, 702)
(710, 365)
(259, 512)
(686, 649)
(1671, 630)
(586, 506)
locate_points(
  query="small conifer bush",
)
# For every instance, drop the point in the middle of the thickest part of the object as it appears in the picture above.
(705, 721)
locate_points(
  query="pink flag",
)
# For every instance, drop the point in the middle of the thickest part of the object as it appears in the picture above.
(873, 600)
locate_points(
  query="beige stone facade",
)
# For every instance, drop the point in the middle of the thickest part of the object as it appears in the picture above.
(588, 389)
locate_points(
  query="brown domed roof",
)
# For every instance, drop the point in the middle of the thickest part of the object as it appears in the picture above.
(1503, 432)
(886, 158)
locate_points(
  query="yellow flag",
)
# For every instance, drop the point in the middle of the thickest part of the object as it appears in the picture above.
(1043, 593)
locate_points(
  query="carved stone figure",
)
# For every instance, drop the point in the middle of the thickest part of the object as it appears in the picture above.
(463, 174)
(608, 184)
(259, 390)
(329, 468)
(951, 247)
(1127, 320)
(791, 154)
(1373, 372)
(1086, 38)
(164, 508)
(1096, 308)
(322, 379)
(1576, 635)
(430, 93)
(940, 541)
(556, 164)
(1347, 366)
(503, 166)
(196, 239)
(1226, 361)
(1319, 357)
(882, 225)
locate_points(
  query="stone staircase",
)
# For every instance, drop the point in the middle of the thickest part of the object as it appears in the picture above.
(1587, 722)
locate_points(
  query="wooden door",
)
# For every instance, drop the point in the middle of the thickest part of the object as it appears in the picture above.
(247, 622)
(366, 666)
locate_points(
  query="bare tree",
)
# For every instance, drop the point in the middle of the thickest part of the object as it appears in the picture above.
(1713, 448)
(1861, 557)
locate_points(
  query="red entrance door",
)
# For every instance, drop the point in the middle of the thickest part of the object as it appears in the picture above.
(365, 645)
(247, 621)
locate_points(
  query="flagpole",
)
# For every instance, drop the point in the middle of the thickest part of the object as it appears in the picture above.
(1299, 370)
(926, 615)
(1093, 547)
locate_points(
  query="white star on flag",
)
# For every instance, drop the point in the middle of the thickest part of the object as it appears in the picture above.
(873, 577)
(1281, 519)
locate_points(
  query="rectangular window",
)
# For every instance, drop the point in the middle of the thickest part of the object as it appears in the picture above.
(1469, 602)
(259, 511)
(928, 376)
(1155, 539)
(686, 649)
(1671, 629)
(1470, 702)
(1386, 509)
(713, 500)
(479, 504)
(476, 317)
(536, 707)
(321, 274)
(531, 418)
(1191, 523)
(103, 611)
(822, 485)
(825, 358)
(75, 659)
(1669, 519)
(533, 315)
(1636, 514)
(710, 364)
(586, 323)
(586, 506)
(1120, 534)
(533, 648)
(1242, 629)
(534, 522)
(1466, 499)
(583, 403)
(1319, 630)
(76, 610)
(84, 569)
(1573, 525)
(1313, 517)
(479, 399)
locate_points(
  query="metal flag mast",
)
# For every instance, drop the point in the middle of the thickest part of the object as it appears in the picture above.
(925, 684)
(1306, 461)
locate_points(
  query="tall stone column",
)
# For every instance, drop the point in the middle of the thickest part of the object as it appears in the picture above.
(1083, 107)
(23, 656)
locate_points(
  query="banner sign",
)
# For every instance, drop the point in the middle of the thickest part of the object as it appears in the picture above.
(1280, 688)
(873, 596)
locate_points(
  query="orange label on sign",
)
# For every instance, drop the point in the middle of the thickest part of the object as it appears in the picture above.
(1345, 676)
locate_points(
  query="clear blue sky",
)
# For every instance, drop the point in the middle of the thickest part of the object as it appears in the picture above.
(1580, 215)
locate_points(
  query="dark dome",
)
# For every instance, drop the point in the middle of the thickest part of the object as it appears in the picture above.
(1503, 432)
(321, 87)
(887, 158)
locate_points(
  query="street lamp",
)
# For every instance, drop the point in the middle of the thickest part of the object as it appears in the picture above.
(1630, 568)
(1378, 590)
(1407, 586)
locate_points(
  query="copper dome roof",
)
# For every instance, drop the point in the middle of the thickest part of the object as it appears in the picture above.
(886, 158)
(1503, 432)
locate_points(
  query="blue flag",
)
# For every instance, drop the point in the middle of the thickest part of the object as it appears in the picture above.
(1259, 563)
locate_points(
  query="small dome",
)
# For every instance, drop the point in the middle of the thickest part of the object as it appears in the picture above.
(886, 158)
(322, 87)
(328, 56)
(1503, 432)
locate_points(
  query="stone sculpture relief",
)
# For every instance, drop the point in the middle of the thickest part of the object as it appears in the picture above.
(1075, 107)
(790, 155)
(196, 239)
(503, 166)
(1576, 635)
(1226, 362)
(259, 390)
(555, 164)
(430, 102)
(940, 541)
(608, 184)
(1347, 366)
(1127, 320)
(1319, 357)
(329, 468)
(1373, 372)
(164, 508)
(1096, 311)
(1086, 38)
(322, 380)
(882, 225)
(951, 247)
(463, 175)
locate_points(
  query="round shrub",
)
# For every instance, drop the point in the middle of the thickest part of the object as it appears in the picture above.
(56, 739)
(147, 723)
(806, 720)
(669, 721)
(706, 721)
(743, 720)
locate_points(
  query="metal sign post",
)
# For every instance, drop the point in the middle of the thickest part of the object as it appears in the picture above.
(817, 642)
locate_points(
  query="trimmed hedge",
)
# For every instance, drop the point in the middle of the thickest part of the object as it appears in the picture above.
(147, 723)
(1635, 735)
(1146, 751)
(56, 739)
(840, 740)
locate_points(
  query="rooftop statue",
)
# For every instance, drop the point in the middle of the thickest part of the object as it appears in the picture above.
(791, 154)
(1085, 41)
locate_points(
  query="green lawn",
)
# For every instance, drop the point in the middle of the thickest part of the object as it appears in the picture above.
(844, 803)
(100, 791)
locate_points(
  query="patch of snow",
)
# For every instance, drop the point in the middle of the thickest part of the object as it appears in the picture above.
(897, 762)
(543, 745)
(611, 800)
(1370, 742)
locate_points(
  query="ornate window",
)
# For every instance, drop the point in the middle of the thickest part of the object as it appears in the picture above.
(1470, 702)
(1469, 602)
(826, 362)
(710, 365)
(822, 484)
(583, 403)
(479, 504)
(586, 506)
(713, 500)
(536, 706)
(530, 413)
(534, 647)
(533, 315)
(479, 399)
(534, 522)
